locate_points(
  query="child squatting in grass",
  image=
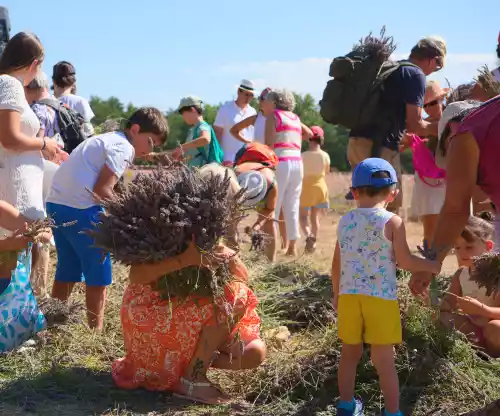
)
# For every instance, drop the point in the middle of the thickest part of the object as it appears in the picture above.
(371, 241)
(480, 314)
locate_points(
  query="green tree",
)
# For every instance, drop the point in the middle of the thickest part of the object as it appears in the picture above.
(336, 137)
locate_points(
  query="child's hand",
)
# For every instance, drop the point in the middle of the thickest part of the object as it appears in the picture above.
(44, 236)
(149, 157)
(470, 306)
(436, 267)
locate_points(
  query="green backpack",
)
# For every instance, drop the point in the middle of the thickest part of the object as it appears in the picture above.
(212, 153)
(352, 98)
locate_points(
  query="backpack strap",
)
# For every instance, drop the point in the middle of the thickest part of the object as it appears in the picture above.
(51, 102)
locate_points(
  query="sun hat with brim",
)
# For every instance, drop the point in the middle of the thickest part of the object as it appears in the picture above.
(451, 111)
(255, 186)
(190, 101)
(364, 174)
(247, 85)
(434, 92)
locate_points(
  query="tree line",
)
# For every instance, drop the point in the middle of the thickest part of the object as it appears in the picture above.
(336, 137)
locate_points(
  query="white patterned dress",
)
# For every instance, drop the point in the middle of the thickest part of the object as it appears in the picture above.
(21, 173)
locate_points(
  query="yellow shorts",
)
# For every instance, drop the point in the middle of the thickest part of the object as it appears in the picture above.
(369, 319)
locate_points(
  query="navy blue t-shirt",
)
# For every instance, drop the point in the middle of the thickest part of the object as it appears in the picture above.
(405, 86)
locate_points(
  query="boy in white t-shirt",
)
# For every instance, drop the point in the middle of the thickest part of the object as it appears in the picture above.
(95, 165)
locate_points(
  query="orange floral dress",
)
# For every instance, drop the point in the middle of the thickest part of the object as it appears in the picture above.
(160, 336)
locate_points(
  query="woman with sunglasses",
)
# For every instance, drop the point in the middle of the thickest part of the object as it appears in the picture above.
(429, 189)
(469, 149)
(258, 121)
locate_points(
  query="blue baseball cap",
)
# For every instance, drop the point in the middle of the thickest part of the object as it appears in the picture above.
(363, 174)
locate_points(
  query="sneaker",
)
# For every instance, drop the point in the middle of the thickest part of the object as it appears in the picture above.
(349, 196)
(397, 414)
(357, 411)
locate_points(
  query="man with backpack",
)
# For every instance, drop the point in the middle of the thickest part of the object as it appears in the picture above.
(56, 119)
(379, 99)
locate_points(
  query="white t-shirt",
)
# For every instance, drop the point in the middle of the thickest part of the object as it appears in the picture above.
(79, 173)
(228, 115)
(81, 106)
(260, 128)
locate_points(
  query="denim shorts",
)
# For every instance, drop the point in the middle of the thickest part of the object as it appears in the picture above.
(77, 258)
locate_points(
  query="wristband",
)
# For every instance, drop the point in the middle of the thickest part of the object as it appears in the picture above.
(44, 144)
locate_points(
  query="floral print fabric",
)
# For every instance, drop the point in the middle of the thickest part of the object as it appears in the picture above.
(161, 336)
(367, 259)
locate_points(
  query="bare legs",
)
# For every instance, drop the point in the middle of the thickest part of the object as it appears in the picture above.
(40, 269)
(95, 298)
(270, 229)
(195, 385)
(383, 360)
(310, 228)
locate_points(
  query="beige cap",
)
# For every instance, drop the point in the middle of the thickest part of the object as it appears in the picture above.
(190, 101)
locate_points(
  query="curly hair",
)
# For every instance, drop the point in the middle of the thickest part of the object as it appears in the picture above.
(283, 99)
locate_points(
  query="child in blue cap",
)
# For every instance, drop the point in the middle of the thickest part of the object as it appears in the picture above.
(370, 242)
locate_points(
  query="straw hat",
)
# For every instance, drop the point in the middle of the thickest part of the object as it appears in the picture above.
(434, 92)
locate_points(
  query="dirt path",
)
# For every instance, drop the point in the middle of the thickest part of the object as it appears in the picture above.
(328, 236)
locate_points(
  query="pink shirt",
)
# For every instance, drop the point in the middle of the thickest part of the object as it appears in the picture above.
(484, 124)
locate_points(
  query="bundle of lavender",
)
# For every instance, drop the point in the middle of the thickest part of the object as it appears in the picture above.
(486, 272)
(158, 214)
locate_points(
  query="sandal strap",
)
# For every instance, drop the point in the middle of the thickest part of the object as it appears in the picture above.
(192, 384)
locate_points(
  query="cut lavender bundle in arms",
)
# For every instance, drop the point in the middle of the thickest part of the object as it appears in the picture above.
(485, 272)
(157, 215)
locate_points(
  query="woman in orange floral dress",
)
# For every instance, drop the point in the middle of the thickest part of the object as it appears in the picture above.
(171, 344)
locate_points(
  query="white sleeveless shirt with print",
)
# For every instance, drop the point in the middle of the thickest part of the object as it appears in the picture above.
(367, 256)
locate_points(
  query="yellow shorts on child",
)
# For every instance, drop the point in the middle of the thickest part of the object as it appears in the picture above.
(368, 319)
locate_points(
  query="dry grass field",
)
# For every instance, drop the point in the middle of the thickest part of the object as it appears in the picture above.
(67, 371)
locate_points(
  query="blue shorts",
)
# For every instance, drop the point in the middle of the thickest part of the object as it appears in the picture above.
(77, 259)
(324, 205)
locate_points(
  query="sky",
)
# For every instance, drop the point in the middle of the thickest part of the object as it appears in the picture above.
(153, 52)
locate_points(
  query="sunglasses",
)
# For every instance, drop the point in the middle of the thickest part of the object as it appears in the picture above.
(439, 63)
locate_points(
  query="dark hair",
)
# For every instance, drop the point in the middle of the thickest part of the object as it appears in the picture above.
(63, 74)
(372, 191)
(477, 229)
(149, 120)
(196, 108)
(317, 139)
(20, 52)
(498, 51)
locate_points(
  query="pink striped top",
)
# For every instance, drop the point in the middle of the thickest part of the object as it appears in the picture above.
(288, 139)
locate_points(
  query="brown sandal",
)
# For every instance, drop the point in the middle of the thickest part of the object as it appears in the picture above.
(189, 396)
